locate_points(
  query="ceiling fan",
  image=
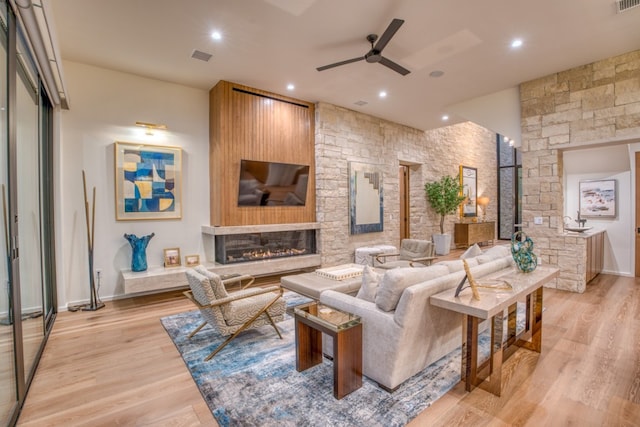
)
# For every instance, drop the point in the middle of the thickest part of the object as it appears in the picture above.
(375, 54)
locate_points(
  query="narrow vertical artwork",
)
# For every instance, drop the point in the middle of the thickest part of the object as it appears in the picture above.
(469, 183)
(365, 198)
(148, 181)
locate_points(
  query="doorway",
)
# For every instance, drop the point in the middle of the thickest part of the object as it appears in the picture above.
(403, 179)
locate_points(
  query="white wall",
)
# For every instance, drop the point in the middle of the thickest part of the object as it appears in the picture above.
(498, 111)
(104, 107)
(588, 164)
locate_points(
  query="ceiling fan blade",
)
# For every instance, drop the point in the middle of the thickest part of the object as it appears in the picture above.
(388, 33)
(395, 67)
(337, 64)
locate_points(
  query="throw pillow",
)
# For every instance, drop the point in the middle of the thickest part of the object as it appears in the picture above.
(370, 282)
(493, 254)
(395, 281)
(471, 252)
(216, 284)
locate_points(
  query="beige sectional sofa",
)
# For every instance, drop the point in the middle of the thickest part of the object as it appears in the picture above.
(402, 332)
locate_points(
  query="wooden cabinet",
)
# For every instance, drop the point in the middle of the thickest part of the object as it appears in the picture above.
(595, 255)
(466, 234)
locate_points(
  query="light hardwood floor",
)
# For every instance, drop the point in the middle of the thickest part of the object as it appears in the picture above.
(117, 366)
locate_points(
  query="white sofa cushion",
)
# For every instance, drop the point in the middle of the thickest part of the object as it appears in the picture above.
(457, 265)
(471, 252)
(370, 282)
(395, 281)
(493, 254)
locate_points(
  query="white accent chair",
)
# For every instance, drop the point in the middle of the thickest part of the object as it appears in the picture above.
(413, 253)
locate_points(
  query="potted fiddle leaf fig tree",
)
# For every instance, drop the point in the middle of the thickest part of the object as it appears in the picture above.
(444, 195)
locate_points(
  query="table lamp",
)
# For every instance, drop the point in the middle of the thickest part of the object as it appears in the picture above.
(483, 201)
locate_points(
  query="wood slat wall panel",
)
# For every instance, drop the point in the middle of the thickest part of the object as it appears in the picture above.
(257, 125)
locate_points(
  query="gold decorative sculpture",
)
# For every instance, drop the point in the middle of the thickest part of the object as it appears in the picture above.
(496, 284)
(472, 282)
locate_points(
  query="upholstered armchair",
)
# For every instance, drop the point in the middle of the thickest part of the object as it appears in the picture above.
(413, 253)
(230, 314)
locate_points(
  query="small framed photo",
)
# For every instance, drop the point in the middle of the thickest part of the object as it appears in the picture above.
(172, 257)
(191, 260)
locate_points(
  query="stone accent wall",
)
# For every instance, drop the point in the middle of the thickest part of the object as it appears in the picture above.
(598, 103)
(343, 135)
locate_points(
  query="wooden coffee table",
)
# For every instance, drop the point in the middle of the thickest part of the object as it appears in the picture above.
(491, 306)
(312, 320)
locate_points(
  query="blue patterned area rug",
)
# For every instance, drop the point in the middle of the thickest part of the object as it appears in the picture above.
(253, 381)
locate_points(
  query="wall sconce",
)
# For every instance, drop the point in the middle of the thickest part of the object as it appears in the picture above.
(150, 127)
(483, 201)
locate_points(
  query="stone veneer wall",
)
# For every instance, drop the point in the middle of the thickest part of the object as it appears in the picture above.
(343, 135)
(598, 103)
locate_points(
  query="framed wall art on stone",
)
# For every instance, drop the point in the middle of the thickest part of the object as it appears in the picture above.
(148, 181)
(598, 198)
(469, 184)
(365, 198)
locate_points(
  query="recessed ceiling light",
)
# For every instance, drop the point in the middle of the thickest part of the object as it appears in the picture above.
(216, 35)
(516, 43)
(290, 86)
(382, 94)
(436, 73)
(445, 118)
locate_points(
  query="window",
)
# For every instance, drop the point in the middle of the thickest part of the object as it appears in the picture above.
(509, 187)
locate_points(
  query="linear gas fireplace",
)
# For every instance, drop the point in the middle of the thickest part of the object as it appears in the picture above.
(262, 249)
(232, 248)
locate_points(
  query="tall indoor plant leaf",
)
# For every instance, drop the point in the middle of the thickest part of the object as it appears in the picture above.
(444, 196)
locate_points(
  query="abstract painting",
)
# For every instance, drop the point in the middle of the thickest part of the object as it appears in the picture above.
(148, 180)
(598, 198)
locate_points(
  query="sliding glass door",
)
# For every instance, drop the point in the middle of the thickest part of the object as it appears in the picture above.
(8, 388)
(28, 207)
(27, 285)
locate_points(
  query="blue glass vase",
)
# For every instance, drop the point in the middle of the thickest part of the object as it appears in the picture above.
(139, 246)
(522, 252)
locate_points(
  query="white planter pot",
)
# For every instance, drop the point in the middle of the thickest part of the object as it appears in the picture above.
(442, 243)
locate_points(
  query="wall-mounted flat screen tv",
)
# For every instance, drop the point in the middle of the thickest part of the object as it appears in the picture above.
(272, 184)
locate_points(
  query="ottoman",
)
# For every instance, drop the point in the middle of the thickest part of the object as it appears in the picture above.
(311, 284)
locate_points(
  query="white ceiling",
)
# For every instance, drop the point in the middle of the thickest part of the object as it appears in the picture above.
(268, 44)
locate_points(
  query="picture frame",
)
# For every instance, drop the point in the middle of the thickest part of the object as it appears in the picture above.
(598, 198)
(191, 260)
(366, 211)
(469, 184)
(172, 257)
(148, 181)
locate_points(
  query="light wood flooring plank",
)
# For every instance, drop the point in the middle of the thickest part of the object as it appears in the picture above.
(117, 366)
